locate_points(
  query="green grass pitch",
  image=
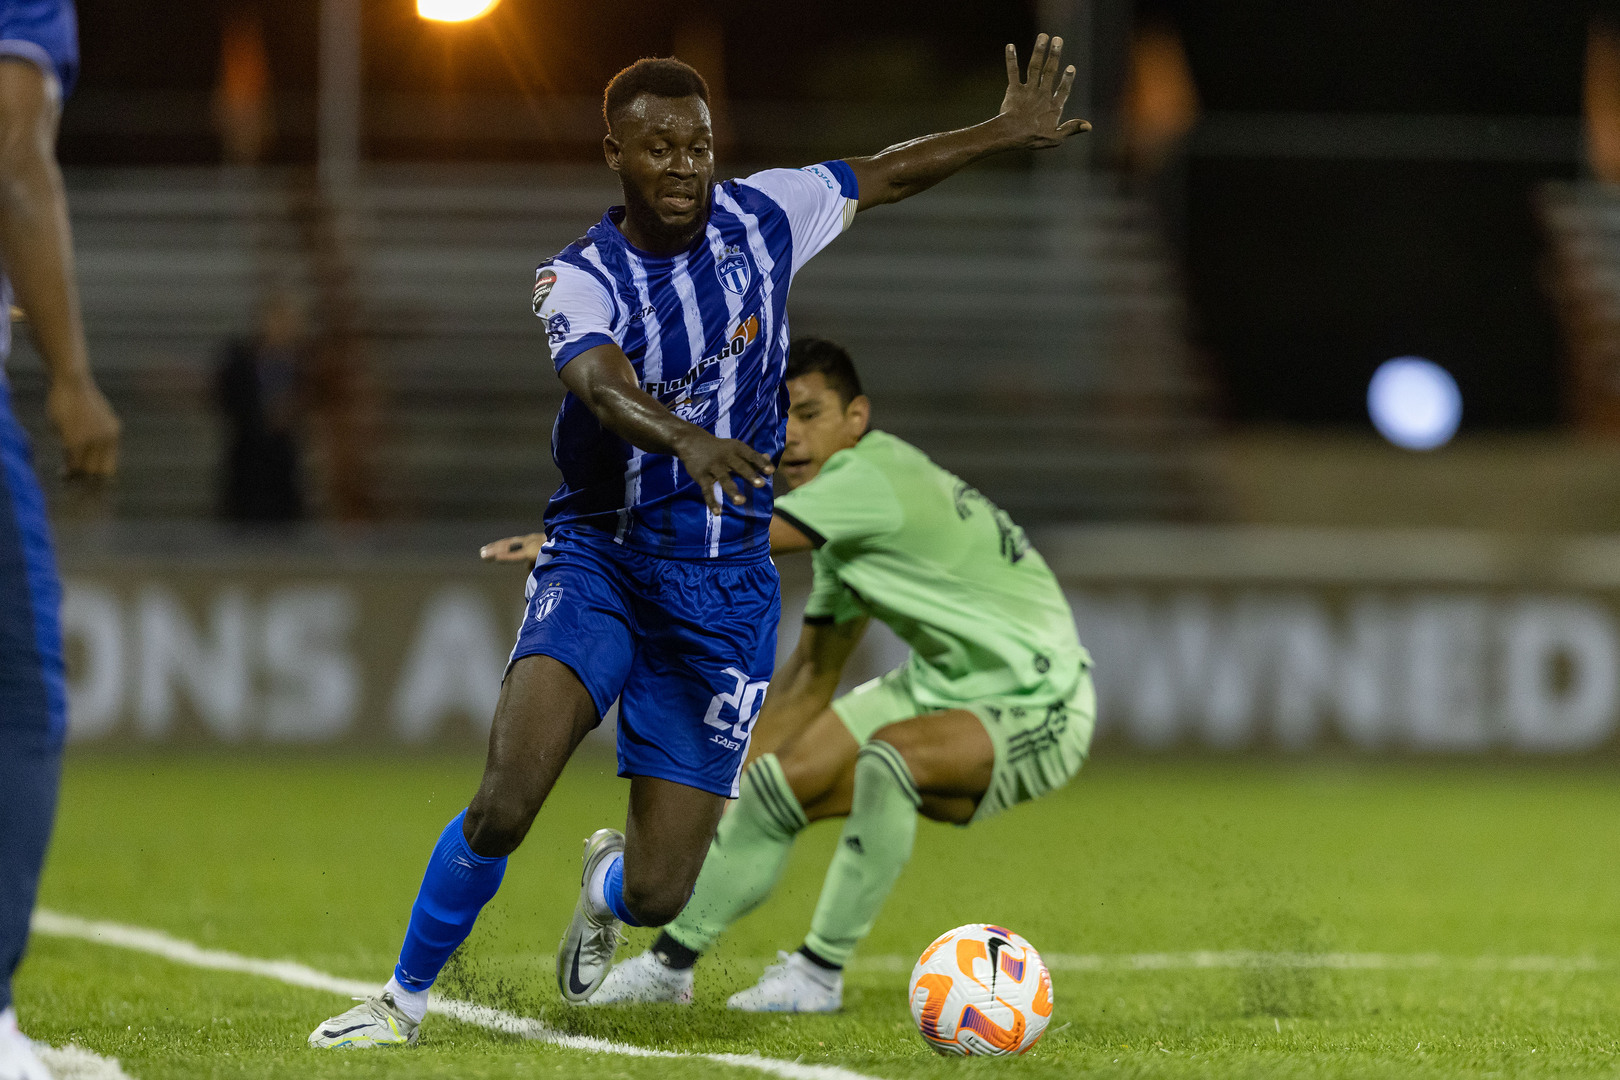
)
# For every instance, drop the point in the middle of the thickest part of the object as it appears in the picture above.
(317, 859)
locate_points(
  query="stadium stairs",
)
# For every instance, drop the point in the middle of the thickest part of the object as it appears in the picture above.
(1027, 333)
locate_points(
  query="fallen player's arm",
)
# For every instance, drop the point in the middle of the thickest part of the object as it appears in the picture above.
(603, 379)
(519, 549)
(806, 682)
(1031, 118)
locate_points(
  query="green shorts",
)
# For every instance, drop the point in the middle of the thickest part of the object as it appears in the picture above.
(1040, 744)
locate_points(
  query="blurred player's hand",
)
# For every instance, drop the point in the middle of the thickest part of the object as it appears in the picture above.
(518, 549)
(1033, 107)
(712, 461)
(87, 427)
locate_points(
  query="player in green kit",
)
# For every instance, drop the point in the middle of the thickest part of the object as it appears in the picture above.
(994, 706)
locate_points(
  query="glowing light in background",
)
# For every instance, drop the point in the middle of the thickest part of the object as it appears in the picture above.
(1414, 403)
(454, 10)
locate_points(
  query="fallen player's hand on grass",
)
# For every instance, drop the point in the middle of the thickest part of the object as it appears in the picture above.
(1033, 107)
(514, 549)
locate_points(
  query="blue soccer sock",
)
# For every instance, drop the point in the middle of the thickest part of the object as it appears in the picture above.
(606, 890)
(457, 885)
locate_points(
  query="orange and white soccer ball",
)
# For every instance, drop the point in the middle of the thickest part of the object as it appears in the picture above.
(981, 989)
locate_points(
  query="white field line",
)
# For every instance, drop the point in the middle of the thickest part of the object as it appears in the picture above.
(1206, 960)
(74, 1062)
(157, 943)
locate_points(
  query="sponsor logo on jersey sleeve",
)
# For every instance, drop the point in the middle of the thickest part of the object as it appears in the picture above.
(543, 281)
(557, 328)
(823, 175)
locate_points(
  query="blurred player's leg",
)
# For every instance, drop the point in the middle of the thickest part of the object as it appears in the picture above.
(939, 764)
(33, 715)
(28, 783)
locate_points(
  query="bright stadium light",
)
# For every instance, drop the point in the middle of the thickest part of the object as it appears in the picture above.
(1414, 403)
(454, 10)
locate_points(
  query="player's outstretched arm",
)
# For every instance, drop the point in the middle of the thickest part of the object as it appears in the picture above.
(805, 684)
(36, 245)
(514, 549)
(785, 538)
(1031, 118)
(603, 379)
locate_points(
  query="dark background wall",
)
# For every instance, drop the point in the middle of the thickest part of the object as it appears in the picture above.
(1312, 252)
(1374, 196)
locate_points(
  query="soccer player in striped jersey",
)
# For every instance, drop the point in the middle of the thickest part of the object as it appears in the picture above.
(994, 706)
(667, 323)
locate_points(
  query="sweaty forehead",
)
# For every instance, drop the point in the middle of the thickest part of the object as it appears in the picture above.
(649, 114)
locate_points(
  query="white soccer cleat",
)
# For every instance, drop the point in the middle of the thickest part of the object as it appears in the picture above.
(645, 979)
(18, 1061)
(376, 1021)
(587, 948)
(793, 984)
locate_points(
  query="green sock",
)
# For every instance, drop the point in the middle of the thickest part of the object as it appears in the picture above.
(876, 843)
(746, 857)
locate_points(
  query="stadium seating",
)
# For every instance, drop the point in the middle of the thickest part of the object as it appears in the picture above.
(1026, 331)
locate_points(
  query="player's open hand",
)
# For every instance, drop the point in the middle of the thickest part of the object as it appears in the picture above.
(1033, 107)
(713, 463)
(87, 426)
(514, 549)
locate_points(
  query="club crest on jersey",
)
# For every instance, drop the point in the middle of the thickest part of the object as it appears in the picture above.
(546, 602)
(543, 281)
(735, 270)
(557, 328)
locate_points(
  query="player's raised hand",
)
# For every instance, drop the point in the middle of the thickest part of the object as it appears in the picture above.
(713, 462)
(514, 549)
(1034, 103)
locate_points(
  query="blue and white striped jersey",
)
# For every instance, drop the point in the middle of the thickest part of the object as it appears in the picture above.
(707, 333)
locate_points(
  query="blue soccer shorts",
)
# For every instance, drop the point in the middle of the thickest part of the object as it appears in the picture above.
(44, 33)
(686, 648)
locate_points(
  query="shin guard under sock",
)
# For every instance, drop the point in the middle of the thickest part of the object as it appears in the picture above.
(876, 842)
(455, 888)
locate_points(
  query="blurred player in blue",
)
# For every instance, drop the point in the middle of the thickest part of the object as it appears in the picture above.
(667, 323)
(39, 59)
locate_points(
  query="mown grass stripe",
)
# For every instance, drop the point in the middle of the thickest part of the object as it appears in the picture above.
(158, 943)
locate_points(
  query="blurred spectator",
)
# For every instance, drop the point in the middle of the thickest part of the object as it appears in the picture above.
(259, 386)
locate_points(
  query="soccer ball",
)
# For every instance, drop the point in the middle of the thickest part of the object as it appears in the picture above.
(981, 989)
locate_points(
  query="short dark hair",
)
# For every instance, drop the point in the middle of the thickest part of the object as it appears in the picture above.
(659, 76)
(809, 356)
